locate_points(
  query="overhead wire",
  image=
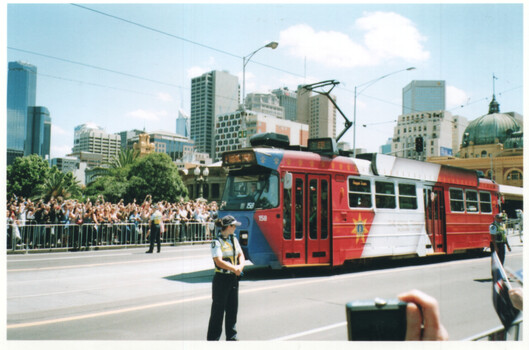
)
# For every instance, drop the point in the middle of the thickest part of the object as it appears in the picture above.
(181, 38)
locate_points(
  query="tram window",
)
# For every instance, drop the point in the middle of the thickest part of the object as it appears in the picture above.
(457, 203)
(299, 209)
(407, 196)
(385, 195)
(472, 201)
(324, 206)
(485, 202)
(313, 209)
(359, 193)
(287, 214)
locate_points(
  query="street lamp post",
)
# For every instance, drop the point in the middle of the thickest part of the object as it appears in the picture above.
(200, 178)
(273, 45)
(366, 85)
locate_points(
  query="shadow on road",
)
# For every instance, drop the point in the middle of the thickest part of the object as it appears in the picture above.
(261, 273)
(203, 276)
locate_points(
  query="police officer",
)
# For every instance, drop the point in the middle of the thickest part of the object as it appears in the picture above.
(155, 228)
(229, 263)
(498, 237)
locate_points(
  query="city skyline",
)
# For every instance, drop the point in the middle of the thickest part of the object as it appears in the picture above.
(130, 66)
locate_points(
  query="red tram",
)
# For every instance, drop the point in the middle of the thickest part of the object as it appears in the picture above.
(313, 206)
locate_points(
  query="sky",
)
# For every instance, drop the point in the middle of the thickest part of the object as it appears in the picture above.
(129, 66)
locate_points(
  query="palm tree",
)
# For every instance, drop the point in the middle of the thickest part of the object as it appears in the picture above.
(123, 159)
(58, 184)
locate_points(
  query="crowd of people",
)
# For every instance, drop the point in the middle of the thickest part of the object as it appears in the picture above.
(72, 223)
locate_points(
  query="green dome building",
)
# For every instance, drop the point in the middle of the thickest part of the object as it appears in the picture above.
(492, 129)
(492, 144)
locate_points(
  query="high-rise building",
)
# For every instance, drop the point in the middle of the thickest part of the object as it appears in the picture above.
(287, 100)
(231, 135)
(93, 139)
(212, 94)
(316, 111)
(182, 124)
(265, 103)
(423, 96)
(21, 93)
(441, 132)
(38, 137)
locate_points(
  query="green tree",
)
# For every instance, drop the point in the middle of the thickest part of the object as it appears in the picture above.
(25, 175)
(157, 175)
(58, 184)
(123, 160)
(112, 186)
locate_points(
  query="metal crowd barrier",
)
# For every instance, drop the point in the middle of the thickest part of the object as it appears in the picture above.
(33, 237)
(499, 333)
(514, 227)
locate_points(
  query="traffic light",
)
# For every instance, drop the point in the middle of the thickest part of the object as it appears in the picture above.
(419, 144)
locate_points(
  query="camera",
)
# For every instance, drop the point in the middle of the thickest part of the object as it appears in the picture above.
(377, 319)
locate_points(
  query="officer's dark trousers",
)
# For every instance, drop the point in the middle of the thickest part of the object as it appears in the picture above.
(155, 235)
(501, 251)
(225, 299)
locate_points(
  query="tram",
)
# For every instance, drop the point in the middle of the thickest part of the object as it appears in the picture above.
(316, 205)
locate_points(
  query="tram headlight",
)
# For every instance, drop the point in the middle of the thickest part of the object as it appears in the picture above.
(243, 237)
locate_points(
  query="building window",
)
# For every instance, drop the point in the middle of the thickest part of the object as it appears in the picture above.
(483, 154)
(515, 175)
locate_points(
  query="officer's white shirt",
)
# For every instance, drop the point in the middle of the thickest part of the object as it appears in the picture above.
(223, 248)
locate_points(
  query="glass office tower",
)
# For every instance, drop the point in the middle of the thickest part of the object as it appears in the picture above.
(21, 93)
(212, 94)
(38, 136)
(423, 96)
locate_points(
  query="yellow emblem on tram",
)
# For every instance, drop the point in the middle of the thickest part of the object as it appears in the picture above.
(360, 229)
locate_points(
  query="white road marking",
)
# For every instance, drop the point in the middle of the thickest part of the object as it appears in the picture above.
(242, 291)
(312, 331)
(67, 267)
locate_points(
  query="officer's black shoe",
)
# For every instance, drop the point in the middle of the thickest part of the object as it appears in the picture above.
(148, 252)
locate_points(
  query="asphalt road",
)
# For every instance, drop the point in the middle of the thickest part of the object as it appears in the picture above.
(130, 295)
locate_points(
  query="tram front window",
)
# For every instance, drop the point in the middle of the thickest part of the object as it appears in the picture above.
(249, 192)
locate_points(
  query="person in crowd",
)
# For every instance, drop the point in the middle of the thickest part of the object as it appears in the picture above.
(53, 223)
(229, 264)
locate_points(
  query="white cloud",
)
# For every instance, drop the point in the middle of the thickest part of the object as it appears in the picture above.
(387, 35)
(390, 35)
(329, 48)
(165, 97)
(455, 97)
(147, 115)
(197, 71)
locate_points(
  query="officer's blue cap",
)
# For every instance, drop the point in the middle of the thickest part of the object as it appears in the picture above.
(230, 220)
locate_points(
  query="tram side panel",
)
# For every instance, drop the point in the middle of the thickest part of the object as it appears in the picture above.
(469, 211)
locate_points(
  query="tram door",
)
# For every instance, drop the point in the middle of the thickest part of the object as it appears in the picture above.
(309, 239)
(434, 217)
